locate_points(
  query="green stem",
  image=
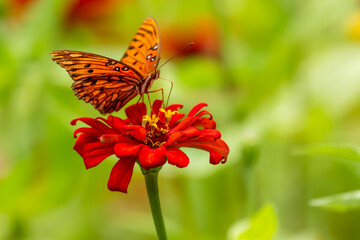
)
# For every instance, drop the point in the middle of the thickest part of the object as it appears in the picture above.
(151, 180)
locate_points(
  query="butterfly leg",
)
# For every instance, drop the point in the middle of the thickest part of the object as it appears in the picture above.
(149, 100)
(141, 98)
(162, 94)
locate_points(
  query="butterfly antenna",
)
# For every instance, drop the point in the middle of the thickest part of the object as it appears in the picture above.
(189, 44)
(149, 100)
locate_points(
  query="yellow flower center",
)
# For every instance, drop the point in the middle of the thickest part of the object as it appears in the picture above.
(156, 130)
(151, 120)
(168, 115)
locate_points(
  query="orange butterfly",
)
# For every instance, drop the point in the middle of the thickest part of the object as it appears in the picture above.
(109, 84)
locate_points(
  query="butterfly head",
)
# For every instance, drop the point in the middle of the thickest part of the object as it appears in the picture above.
(146, 85)
(156, 74)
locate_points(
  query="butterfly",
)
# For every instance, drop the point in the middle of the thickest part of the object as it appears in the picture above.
(109, 84)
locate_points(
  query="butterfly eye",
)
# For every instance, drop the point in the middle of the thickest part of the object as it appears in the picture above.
(117, 69)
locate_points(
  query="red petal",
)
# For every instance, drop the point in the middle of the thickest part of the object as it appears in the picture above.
(188, 121)
(151, 158)
(196, 109)
(82, 142)
(137, 132)
(174, 107)
(115, 122)
(73, 122)
(93, 158)
(127, 149)
(224, 146)
(113, 138)
(218, 149)
(173, 138)
(120, 175)
(94, 123)
(210, 133)
(204, 112)
(215, 157)
(192, 132)
(136, 112)
(177, 157)
(206, 123)
(175, 118)
(87, 130)
(92, 152)
(156, 106)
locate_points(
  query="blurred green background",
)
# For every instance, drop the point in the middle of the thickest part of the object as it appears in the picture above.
(282, 79)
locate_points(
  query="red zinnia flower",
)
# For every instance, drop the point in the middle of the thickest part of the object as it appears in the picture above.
(150, 139)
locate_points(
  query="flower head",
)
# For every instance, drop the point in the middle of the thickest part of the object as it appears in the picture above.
(149, 139)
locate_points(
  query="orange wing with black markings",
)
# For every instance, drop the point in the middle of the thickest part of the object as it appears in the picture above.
(143, 53)
(109, 84)
(105, 83)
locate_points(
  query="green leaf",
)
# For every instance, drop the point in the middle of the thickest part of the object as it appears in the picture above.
(351, 153)
(339, 202)
(262, 226)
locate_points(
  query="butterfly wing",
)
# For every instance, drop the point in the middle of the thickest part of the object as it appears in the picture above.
(109, 84)
(143, 54)
(105, 83)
